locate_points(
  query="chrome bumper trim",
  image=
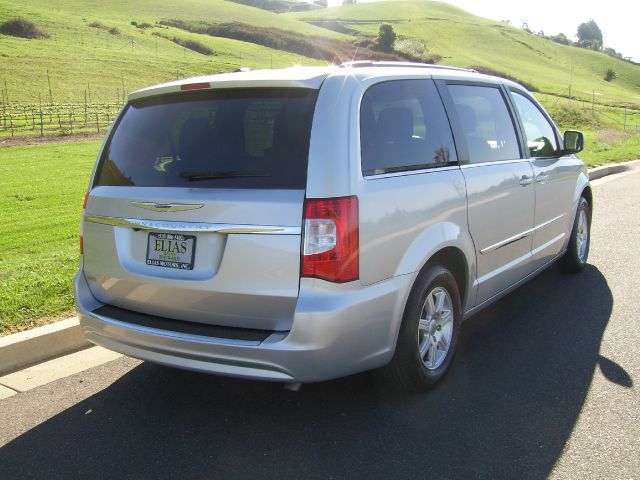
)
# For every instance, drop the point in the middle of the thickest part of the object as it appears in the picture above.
(192, 227)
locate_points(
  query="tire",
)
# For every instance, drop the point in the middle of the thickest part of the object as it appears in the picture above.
(575, 259)
(415, 365)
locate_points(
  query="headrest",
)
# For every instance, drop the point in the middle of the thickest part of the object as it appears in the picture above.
(395, 124)
(467, 118)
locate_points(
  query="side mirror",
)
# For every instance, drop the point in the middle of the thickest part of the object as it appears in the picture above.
(573, 141)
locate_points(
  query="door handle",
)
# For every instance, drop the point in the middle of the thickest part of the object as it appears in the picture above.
(526, 180)
(542, 177)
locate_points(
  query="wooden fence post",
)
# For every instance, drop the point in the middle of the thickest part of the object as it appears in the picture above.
(50, 94)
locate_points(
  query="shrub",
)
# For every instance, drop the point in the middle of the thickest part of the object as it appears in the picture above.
(560, 38)
(190, 44)
(613, 53)
(19, 27)
(193, 45)
(416, 51)
(386, 38)
(610, 75)
(99, 25)
(142, 26)
(364, 42)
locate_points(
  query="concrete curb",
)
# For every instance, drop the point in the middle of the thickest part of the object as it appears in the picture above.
(27, 348)
(39, 344)
(599, 172)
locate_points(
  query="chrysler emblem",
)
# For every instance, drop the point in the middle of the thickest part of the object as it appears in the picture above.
(167, 207)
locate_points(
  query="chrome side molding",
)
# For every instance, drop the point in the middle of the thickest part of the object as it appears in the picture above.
(519, 236)
(192, 227)
(507, 241)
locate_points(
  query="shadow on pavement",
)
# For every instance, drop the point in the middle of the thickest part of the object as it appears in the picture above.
(506, 410)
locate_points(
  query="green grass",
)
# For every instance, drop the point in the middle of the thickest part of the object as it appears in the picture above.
(606, 146)
(78, 55)
(41, 199)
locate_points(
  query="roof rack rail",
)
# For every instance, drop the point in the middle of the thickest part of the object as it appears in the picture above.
(386, 63)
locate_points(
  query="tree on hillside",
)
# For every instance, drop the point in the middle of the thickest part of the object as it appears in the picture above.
(560, 38)
(589, 35)
(613, 53)
(321, 3)
(386, 38)
(347, 2)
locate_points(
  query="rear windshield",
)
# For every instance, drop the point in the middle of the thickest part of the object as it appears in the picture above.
(235, 138)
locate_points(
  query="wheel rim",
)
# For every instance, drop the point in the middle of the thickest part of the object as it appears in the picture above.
(582, 236)
(435, 328)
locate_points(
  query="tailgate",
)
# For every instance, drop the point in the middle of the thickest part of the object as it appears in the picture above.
(235, 261)
(196, 207)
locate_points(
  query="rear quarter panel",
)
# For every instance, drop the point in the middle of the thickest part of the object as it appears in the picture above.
(405, 220)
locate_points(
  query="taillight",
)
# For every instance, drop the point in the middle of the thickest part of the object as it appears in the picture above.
(330, 247)
(84, 207)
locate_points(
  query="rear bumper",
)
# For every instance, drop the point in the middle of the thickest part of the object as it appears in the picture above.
(337, 330)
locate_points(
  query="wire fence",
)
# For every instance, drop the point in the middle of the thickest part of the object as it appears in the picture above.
(42, 119)
(621, 117)
(56, 119)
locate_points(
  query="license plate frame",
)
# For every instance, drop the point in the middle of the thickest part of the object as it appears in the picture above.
(171, 254)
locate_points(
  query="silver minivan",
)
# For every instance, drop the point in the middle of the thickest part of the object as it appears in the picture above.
(304, 224)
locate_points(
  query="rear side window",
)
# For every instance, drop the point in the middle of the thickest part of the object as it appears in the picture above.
(403, 126)
(235, 138)
(486, 123)
(541, 139)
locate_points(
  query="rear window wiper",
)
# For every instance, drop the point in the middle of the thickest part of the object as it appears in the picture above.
(195, 176)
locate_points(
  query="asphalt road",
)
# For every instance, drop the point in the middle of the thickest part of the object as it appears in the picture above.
(544, 384)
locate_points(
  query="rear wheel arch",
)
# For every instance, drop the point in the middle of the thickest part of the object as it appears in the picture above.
(454, 260)
(588, 196)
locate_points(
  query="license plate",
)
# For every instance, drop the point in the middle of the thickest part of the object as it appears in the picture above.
(171, 250)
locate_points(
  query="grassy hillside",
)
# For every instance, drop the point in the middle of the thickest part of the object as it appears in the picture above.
(78, 54)
(467, 40)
